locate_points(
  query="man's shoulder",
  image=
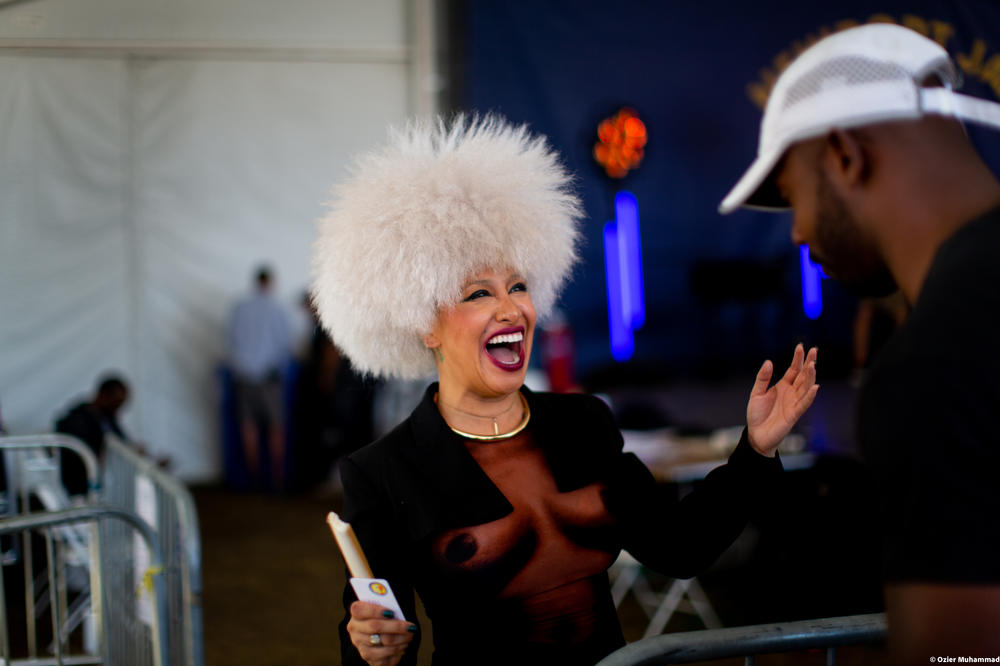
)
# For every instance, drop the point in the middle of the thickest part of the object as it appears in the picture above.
(257, 302)
(965, 267)
(78, 413)
(243, 304)
(80, 408)
(958, 308)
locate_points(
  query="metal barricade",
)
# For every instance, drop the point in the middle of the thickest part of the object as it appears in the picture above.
(20, 451)
(134, 483)
(687, 647)
(145, 647)
(32, 474)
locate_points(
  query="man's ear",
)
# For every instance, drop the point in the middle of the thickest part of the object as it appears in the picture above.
(431, 341)
(846, 158)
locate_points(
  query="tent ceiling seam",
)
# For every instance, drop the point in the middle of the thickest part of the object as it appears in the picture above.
(210, 51)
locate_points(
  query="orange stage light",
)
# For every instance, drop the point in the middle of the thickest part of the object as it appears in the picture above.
(621, 140)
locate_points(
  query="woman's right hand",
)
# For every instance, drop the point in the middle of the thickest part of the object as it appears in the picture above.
(367, 619)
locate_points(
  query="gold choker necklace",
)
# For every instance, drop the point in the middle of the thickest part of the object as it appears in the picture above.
(497, 435)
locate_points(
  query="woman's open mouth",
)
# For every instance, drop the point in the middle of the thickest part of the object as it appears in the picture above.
(506, 349)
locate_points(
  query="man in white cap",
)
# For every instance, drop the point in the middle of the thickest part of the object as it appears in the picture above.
(862, 139)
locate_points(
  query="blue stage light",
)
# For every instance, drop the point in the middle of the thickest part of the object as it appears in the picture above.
(812, 287)
(630, 257)
(622, 341)
(623, 268)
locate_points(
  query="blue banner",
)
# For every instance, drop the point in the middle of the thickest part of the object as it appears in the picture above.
(718, 290)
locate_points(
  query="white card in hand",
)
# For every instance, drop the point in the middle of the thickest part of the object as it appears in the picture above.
(377, 591)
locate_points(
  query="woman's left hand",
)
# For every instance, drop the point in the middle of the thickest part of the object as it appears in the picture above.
(772, 412)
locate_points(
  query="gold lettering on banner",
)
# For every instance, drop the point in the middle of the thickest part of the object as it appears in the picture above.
(973, 62)
(991, 73)
(798, 46)
(881, 18)
(845, 24)
(978, 63)
(941, 32)
(782, 60)
(916, 24)
(758, 93)
(759, 90)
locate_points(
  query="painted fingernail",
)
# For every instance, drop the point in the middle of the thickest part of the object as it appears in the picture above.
(412, 628)
(388, 613)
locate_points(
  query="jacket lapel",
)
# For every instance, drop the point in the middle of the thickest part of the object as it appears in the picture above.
(574, 441)
(453, 491)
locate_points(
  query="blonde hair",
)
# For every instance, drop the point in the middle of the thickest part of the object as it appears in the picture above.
(420, 215)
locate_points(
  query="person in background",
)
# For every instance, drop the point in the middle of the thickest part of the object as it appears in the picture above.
(501, 507)
(862, 138)
(260, 341)
(333, 407)
(90, 421)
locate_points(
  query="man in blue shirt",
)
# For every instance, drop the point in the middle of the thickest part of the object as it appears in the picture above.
(259, 337)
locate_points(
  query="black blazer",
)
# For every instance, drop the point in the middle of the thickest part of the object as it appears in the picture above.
(419, 480)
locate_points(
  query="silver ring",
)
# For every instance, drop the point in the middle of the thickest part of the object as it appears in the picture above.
(375, 640)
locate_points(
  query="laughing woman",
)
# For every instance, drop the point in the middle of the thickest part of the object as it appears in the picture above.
(502, 508)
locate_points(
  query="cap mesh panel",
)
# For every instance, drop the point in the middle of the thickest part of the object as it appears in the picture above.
(844, 73)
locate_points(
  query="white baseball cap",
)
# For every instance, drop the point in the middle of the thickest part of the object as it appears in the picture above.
(861, 76)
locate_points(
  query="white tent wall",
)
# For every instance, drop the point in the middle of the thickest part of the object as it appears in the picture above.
(140, 185)
(325, 24)
(63, 298)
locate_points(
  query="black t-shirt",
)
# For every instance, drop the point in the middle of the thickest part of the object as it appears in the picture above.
(89, 426)
(929, 419)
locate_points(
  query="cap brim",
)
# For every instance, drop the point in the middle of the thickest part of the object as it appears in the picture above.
(757, 188)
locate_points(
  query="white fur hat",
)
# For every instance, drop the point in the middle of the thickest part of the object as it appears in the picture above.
(419, 216)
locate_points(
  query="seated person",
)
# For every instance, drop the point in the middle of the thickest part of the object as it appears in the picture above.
(90, 421)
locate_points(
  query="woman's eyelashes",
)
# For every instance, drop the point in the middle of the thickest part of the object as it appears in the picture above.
(480, 293)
